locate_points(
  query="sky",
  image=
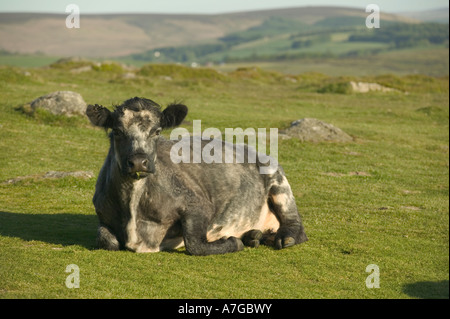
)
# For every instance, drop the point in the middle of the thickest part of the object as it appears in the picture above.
(206, 6)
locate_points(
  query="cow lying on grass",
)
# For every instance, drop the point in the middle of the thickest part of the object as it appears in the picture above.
(147, 203)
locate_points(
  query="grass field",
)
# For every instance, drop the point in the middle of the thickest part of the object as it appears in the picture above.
(382, 199)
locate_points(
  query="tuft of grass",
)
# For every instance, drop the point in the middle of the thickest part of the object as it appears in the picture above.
(180, 72)
(255, 73)
(71, 63)
(111, 66)
(339, 87)
(15, 75)
(414, 83)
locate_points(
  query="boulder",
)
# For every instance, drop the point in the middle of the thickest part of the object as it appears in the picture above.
(60, 103)
(51, 175)
(365, 87)
(313, 130)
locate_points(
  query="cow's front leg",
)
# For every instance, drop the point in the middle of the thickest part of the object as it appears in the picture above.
(146, 236)
(106, 239)
(282, 202)
(194, 235)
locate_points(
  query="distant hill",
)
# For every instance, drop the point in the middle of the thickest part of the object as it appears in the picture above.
(438, 15)
(116, 35)
(312, 34)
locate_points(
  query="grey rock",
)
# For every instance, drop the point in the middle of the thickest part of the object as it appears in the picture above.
(81, 69)
(61, 103)
(77, 174)
(313, 130)
(51, 175)
(364, 87)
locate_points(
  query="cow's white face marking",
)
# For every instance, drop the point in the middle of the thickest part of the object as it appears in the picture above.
(137, 126)
(134, 134)
(138, 138)
(129, 117)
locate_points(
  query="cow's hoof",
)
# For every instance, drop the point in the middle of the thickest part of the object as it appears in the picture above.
(106, 239)
(239, 245)
(284, 242)
(252, 238)
(253, 243)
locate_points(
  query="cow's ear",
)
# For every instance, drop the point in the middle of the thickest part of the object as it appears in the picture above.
(99, 115)
(173, 115)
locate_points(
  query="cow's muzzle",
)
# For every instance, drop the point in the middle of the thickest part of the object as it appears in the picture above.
(139, 166)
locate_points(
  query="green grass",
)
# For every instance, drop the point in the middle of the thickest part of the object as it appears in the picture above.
(396, 215)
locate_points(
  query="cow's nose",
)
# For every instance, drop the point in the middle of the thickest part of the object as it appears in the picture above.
(137, 163)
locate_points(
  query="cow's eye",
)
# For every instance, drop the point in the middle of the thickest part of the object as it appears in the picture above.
(154, 132)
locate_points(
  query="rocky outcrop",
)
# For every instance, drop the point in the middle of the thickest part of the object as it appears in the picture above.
(313, 130)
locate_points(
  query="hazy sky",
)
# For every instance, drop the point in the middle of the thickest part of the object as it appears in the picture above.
(205, 6)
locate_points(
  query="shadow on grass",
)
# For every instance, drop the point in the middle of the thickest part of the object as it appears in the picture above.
(63, 229)
(428, 289)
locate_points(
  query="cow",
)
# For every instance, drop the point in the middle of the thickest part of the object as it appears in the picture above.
(147, 203)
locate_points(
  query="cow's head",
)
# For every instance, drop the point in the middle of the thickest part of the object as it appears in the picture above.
(136, 125)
